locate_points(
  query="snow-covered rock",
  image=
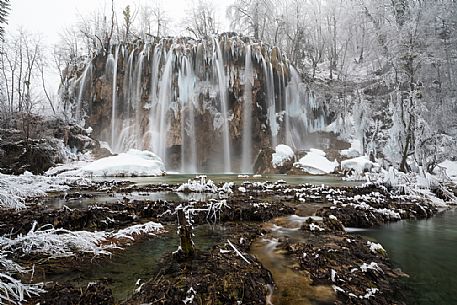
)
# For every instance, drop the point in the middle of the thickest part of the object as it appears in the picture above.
(359, 165)
(199, 184)
(316, 163)
(282, 154)
(450, 167)
(133, 163)
(354, 151)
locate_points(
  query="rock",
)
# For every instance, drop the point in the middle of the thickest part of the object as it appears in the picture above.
(67, 294)
(263, 164)
(35, 156)
(219, 276)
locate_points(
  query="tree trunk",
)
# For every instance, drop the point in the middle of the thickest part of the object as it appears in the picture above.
(185, 235)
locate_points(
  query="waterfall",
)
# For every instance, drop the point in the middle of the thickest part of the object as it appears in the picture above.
(246, 161)
(114, 135)
(82, 88)
(219, 60)
(186, 87)
(197, 104)
(137, 99)
(154, 98)
(124, 141)
(163, 106)
(271, 103)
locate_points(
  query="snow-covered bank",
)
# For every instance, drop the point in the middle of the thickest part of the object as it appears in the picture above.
(133, 163)
(54, 243)
(450, 167)
(14, 190)
(359, 164)
(316, 163)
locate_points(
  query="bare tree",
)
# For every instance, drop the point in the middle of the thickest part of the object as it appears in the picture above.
(201, 21)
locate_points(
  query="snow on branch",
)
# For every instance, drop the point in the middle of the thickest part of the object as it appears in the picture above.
(52, 242)
(238, 251)
(12, 291)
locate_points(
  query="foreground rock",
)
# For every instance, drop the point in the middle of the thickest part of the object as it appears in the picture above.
(358, 270)
(224, 275)
(66, 294)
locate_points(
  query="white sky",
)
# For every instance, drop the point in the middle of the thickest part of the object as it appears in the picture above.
(49, 18)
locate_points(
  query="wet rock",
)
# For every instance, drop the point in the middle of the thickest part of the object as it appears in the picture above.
(220, 276)
(263, 163)
(31, 155)
(357, 274)
(67, 294)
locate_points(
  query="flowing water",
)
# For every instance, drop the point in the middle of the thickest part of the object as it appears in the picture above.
(426, 250)
(139, 261)
(292, 286)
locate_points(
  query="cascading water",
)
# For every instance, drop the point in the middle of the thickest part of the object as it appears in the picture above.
(114, 134)
(246, 161)
(137, 100)
(271, 102)
(196, 104)
(163, 106)
(219, 60)
(81, 92)
(186, 87)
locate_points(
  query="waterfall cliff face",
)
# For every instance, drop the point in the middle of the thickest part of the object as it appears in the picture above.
(202, 106)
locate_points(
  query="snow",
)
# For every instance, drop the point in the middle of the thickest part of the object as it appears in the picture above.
(450, 167)
(316, 163)
(52, 242)
(372, 266)
(375, 247)
(359, 165)
(354, 151)
(200, 184)
(15, 189)
(282, 154)
(133, 163)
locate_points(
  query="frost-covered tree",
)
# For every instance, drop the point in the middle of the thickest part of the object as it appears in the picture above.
(4, 11)
(201, 19)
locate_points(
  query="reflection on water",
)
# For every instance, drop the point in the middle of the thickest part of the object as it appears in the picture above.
(101, 198)
(57, 202)
(292, 286)
(139, 261)
(426, 250)
(219, 178)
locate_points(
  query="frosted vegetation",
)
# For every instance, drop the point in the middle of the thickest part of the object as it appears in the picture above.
(46, 241)
(14, 190)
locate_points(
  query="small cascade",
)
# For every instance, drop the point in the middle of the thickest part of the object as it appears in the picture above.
(246, 154)
(82, 90)
(114, 134)
(222, 82)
